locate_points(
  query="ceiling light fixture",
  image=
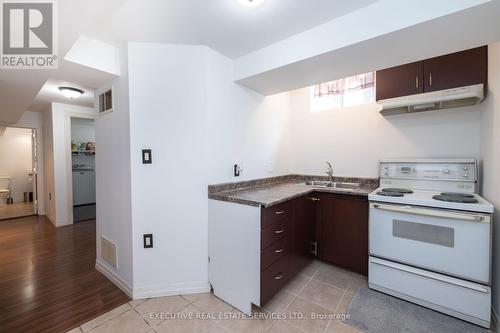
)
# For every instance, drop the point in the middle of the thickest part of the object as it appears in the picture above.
(251, 3)
(71, 93)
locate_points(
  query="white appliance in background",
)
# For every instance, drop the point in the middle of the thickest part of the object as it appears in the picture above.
(430, 237)
(443, 99)
(84, 191)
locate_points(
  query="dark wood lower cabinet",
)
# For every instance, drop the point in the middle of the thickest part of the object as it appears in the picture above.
(304, 212)
(286, 239)
(343, 231)
(334, 225)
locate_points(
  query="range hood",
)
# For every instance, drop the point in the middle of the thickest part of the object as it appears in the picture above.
(436, 100)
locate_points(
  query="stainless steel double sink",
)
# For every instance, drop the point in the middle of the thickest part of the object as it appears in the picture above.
(342, 186)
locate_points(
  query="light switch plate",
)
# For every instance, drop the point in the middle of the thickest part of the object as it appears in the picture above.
(148, 241)
(147, 157)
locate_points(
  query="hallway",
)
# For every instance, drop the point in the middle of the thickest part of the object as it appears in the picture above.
(48, 282)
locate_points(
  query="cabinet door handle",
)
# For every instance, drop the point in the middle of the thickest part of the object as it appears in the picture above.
(279, 251)
(416, 82)
(279, 231)
(315, 248)
(279, 277)
(430, 79)
(280, 212)
(314, 199)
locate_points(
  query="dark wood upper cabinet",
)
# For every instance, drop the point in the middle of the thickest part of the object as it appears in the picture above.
(344, 231)
(456, 70)
(400, 81)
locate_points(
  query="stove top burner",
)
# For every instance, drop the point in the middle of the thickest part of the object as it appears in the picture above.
(390, 194)
(456, 194)
(397, 190)
(457, 199)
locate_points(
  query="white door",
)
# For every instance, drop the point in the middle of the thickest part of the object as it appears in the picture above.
(451, 242)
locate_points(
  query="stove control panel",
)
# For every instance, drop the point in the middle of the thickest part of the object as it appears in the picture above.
(430, 169)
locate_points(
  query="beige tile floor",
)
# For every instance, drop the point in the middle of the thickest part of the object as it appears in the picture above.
(319, 289)
(17, 209)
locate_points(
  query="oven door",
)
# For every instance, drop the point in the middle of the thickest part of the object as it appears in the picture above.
(445, 241)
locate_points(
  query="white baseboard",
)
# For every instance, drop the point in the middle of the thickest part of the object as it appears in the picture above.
(113, 277)
(172, 290)
(152, 292)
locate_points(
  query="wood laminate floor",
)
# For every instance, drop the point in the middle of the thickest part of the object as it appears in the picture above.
(48, 281)
(15, 210)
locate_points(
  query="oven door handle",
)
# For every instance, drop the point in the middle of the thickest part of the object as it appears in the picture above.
(433, 213)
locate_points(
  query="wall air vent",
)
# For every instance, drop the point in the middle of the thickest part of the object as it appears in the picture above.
(105, 102)
(109, 252)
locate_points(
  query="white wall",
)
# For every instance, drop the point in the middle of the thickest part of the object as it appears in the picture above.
(356, 138)
(243, 127)
(198, 123)
(34, 120)
(82, 130)
(490, 151)
(113, 191)
(169, 200)
(16, 161)
(48, 166)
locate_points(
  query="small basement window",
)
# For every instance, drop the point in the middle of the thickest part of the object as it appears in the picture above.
(351, 91)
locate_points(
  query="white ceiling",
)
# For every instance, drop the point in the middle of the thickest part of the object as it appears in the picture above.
(19, 88)
(224, 25)
(50, 94)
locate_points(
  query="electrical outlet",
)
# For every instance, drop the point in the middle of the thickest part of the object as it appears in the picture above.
(147, 157)
(148, 241)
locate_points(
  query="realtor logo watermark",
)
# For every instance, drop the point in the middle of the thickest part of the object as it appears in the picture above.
(29, 34)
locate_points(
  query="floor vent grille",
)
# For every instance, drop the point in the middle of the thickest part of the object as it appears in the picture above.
(109, 252)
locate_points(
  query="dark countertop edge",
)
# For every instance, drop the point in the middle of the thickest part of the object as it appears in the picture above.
(289, 178)
(225, 195)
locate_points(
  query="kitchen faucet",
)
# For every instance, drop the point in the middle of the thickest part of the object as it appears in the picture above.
(329, 172)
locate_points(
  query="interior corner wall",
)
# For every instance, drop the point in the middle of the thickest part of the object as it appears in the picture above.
(490, 153)
(244, 127)
(113, 182)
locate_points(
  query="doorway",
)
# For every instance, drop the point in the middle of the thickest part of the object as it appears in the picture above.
(83, 169)
(18, 172)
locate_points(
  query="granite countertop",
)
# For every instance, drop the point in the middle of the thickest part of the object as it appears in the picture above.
(271, 191)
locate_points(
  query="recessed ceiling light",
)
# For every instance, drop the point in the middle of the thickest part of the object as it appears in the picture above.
(251, 3)
(71, 93)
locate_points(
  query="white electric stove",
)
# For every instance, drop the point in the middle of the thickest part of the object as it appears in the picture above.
(430, 237)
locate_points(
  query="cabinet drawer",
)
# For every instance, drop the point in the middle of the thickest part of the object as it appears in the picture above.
(275, 277)
(275, 213)
(275, 232)
(275, 252)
